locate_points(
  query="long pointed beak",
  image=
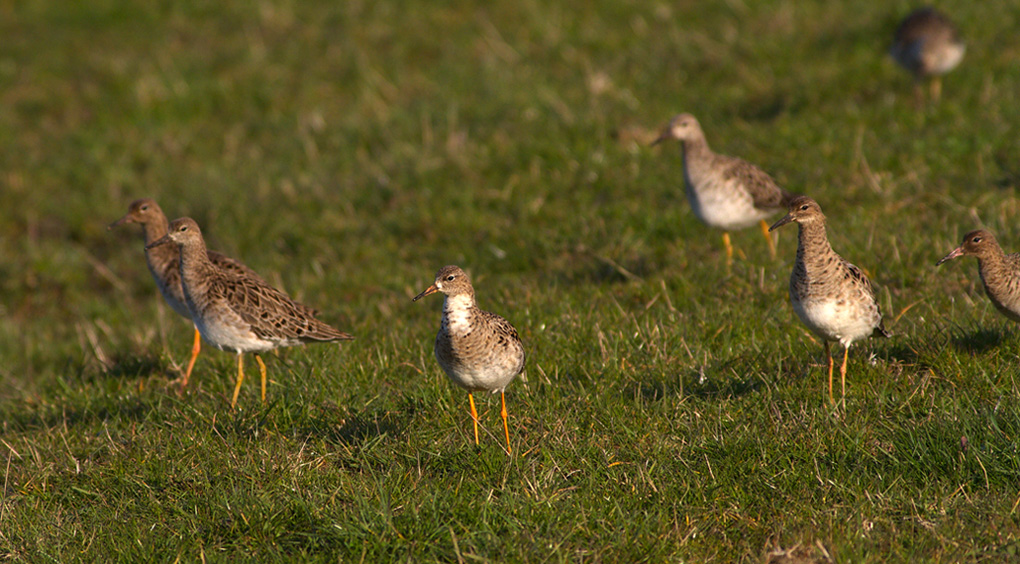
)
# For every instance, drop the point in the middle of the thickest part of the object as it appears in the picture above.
(662, 137)
(161, 241)
(786, 219)
(957, 252)
(119, 222)
(430, 290)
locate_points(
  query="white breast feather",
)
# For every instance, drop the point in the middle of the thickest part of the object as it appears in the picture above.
(833, 320)
(724, 205)
(230, 334)
(457, 308)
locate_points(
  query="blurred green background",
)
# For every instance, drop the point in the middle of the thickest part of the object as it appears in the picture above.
(671, 411)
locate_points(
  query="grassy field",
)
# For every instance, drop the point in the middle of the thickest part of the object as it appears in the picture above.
(671, 411)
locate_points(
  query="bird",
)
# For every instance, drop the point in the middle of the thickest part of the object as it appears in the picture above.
(236, 311)
(164, 264)
(927, 45)
(831, 296)
(724, 192)
(1000, 273)
(479, 351)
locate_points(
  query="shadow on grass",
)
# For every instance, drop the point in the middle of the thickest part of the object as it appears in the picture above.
(355, 428)
(973, 341)
(364, 426)
(900, 353)
(979, 341)
(722, 387)
(126, 365)
(123, 365)
(719, 382)
(117, 410)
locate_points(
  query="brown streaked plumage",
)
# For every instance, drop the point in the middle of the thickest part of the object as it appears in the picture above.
(1000, 273)
(927, 45)
(724, 192)
(480, 351)
(831, 296)
(239, 312)
(164, 261)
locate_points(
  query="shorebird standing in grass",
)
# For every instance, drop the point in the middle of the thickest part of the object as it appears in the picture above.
(831, 296)
(927, 45)
(164, 264)
(478, 350)
(725, 192)
(1000, 273)
(235, 312)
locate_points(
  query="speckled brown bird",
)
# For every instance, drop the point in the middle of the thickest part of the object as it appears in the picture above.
(1000, 273)
(480, 351)
(725, 192)
(831, 296)
(239, 312)
(927, 45)
(164, 264)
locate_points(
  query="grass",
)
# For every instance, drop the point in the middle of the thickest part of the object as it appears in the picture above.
(670, 411)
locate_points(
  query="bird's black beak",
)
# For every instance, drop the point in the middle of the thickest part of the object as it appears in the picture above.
(957, 252)
(786, 219)
(119, 222)
(161, 241)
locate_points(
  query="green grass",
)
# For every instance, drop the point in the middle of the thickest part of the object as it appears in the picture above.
(346, 150)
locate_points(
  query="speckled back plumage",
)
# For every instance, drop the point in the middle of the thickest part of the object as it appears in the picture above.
(269, 313)
(238, 312)
(764, 191)
(166, 271)
(164, 260)
(830, 295)
(725, 192)
(927, 43)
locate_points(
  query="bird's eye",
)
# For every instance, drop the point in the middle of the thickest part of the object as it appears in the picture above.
(183, 228)
(450, 278)
(976, 240)
(145, 207)
(804, 207)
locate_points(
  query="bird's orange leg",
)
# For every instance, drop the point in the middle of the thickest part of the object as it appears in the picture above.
(503, 414)
(240, 378)
(729, 247)
(768, 237)
(828, 355)
(474, 415)
(842, 374)
(195, 348)
(262, 371)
